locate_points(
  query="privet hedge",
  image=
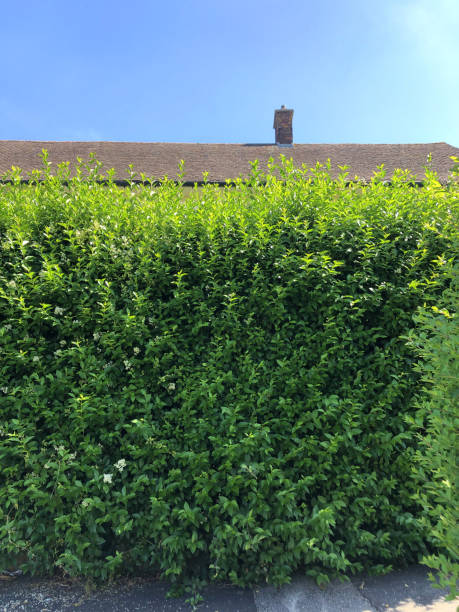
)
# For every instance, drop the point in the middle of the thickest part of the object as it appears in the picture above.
(216, 387)
(436, 338)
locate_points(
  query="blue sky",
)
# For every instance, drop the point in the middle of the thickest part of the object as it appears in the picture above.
(215, 70)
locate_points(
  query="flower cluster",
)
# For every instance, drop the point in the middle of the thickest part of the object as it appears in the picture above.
(120, 465)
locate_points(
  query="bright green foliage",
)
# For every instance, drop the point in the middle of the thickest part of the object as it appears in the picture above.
(437, 342)
(215, 387)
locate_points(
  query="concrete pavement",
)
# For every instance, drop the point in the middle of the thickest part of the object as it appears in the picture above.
(407, 590)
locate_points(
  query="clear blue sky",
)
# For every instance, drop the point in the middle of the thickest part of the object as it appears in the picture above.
(214, 70)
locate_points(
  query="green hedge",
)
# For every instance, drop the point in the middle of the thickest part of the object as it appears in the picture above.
(215, 387)
(436, 339)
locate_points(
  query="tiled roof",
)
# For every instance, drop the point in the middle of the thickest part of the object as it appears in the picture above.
(227, 161)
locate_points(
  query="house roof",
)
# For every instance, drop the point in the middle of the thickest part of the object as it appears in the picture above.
(227, 161)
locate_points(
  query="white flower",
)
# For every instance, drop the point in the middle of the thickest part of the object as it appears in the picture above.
(36, 358)
(120, 465)
(12, 283)
(108, 477)
(85, 503)
(171, 386)
(96, 335)
(127, 364)
(62, 342)
(4, 389)
(136, 350)
(58, 310)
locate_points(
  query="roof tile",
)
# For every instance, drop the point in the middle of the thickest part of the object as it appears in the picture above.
(227, 161)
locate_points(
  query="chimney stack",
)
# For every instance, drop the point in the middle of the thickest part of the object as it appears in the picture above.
(283, 126)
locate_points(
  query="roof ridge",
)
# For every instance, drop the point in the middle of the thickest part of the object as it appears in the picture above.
(254, 144)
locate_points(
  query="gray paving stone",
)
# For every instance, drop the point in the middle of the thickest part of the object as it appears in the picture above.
(405, 590)
(303, 595)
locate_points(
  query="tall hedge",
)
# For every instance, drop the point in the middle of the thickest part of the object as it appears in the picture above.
(215, 387)
(436, 339)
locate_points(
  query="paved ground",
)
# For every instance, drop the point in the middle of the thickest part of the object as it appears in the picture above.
(406, 590)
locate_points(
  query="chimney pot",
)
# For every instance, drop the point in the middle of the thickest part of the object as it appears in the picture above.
(283, 126)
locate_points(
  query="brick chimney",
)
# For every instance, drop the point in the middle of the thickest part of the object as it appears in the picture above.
(283, 126)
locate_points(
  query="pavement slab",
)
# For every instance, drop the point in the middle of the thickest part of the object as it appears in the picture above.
(406, 590)
(303, 595)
